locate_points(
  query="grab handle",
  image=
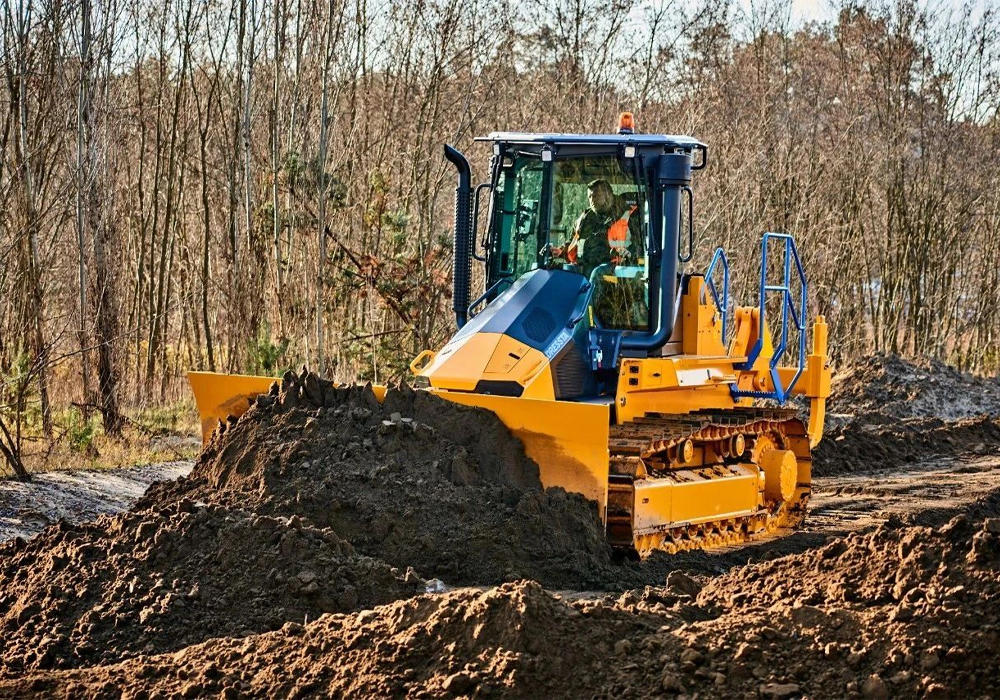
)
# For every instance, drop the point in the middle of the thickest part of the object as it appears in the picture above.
(421, 361)
(690, 251)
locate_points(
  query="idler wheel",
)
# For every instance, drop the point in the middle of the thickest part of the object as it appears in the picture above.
(684, 451)
(780, 474)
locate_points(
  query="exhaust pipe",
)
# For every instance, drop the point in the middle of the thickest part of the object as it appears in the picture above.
(462, 274)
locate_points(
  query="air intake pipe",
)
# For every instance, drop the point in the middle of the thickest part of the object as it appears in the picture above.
(462, 275)
(672, 177)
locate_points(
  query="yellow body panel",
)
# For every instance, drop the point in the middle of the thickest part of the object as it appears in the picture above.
(461, 365)
(702, 323)
(634, 404)
(569, 441)
(509, 354)
(677, 384)
(541, 386)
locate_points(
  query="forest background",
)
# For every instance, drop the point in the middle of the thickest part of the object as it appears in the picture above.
(252, 185)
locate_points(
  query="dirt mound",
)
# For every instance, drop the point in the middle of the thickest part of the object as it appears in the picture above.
(242, 579)
(416, 481)
(886, 413)
(913, 609)
(919, 388)
(147, 582)
(879, 567)
(515, 640)
(902, 611)
(869, 444)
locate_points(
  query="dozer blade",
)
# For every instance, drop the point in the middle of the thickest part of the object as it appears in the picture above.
(569, 441)
(219, 396)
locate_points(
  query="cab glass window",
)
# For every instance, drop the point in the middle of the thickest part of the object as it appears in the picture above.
(600, 226)
(519, 216)
(596, 225)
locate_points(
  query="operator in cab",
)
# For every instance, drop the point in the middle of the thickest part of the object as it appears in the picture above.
(609, 232)
(603, 234)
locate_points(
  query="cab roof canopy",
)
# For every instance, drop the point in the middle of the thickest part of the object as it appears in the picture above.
(641, 140)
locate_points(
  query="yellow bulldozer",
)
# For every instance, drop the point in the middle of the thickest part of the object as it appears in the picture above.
(629, 380)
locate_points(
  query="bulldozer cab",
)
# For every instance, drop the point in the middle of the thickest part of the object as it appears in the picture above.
(605, 207)
(596, 223)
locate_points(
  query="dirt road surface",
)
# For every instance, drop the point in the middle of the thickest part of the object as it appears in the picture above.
(928, 494)
(76, 496)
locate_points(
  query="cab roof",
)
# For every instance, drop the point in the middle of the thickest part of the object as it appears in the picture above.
(664, 140)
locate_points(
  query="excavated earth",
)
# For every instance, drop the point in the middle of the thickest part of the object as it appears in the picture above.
(887, 413)
(919, 388)
(901, 612)
(326, 544)
(416, 481)
(152, 581)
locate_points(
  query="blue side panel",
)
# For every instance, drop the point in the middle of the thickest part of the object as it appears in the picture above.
(536, 310)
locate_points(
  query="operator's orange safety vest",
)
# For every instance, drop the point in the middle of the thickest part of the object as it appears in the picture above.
(619, 237)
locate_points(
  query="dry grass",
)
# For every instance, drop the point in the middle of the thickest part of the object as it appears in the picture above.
(153, 435)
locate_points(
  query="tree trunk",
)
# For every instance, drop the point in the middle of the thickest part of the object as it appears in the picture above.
(324, 135)
(83, 177)
(34, 282)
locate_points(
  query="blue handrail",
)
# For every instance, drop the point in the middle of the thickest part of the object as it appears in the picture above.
(589, 290)
(486, 294)
(789, 311)
(723, 304)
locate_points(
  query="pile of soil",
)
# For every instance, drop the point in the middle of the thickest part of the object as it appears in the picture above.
(887, 413)
(919, 388)
(869, 444)
(514, 640)
(275, 521)
(901, 611)
(416, 481)
(246, 578)
(906, 611)
(155, 581)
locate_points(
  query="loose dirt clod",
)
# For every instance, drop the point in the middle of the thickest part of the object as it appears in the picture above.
(416, 481)
(154, 581)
